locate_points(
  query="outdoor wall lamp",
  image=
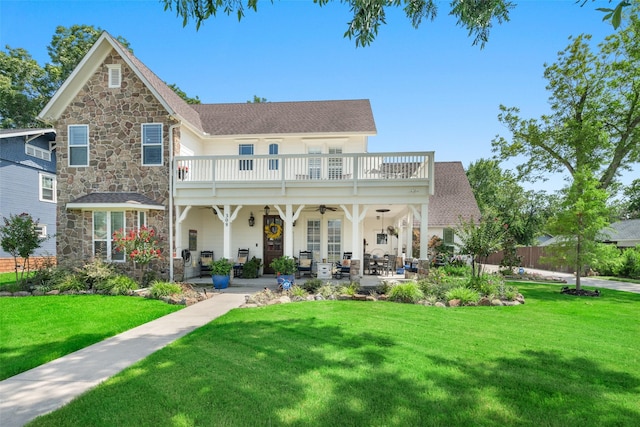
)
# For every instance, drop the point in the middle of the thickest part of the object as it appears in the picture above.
(266, 210)
(252, 220)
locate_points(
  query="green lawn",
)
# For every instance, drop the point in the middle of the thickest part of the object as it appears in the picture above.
(36, 330)
(556, 361)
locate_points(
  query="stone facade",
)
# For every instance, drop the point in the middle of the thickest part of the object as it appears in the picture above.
(115, 117)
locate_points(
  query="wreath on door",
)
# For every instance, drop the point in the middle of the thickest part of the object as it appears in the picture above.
(273, 230)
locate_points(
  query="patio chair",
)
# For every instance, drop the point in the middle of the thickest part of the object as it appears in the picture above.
(305, 263)
(206, 257)
(390, 266)
(243, 256)
(345, 265)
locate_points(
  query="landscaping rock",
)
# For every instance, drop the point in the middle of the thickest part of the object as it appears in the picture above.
(5, 294)
(484, 301)
(343, 297)
(510, 303)
(497, 302)
(454, 303)
(53, 292)
(440, 304)
(22, 294)
(360, 297)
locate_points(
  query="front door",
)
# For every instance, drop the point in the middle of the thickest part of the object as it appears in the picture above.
(273, 228)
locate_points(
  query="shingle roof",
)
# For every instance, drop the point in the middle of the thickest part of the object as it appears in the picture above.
(453, 197)
(623, 230)
(348, 116)
(8, 133)
(115, 198)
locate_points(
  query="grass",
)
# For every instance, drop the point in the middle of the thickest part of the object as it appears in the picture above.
(10, 278)
(36, 330)
(617, 279)
(558, 360)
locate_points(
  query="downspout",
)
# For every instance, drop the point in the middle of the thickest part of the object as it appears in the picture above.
(171, 248)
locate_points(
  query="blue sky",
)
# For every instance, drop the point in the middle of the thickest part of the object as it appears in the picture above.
(429, 88)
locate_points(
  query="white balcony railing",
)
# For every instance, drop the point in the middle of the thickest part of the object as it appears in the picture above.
(303, 167)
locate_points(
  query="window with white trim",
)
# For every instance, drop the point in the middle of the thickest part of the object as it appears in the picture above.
(37, 152)
(246, 150)
(273, 151)
(115, 75)
(142, 219)
(41, 230)
(315, 164)
(47, 187)
(334, 164)
(313, 237)
(104, 225)
(152, 144)
(78, 145)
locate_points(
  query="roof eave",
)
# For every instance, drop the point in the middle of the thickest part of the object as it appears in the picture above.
(111, 206)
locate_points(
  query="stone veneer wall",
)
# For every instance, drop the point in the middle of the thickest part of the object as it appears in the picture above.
(115, 117)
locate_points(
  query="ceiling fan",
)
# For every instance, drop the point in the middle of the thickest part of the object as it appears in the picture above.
(324, 208)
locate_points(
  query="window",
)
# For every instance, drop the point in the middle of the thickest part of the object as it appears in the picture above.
(47, 188)
(39, 153)
(315, 163)
(152, 144)
(104, 225)
(246, 150)
(41, 229)
(313, 237)
(448, 237)
(334, 240)
(78, 145)
(335, 164)
(115, 75)
(273, 151)
(142, 219)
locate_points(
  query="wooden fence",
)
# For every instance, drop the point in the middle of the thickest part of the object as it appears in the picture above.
(530, 256)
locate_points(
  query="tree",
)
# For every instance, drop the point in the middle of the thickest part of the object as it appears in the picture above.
(632, 200)
(595, 111)
(186, 98)
(19, 237)
(480, 239)
(257, 100)
(24, 89)
(141, 246)
(476, 16)
(498, 190)
(584, 214)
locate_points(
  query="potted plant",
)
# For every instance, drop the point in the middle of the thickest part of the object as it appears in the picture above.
(221, 273)
(285, 268)
(251, 268)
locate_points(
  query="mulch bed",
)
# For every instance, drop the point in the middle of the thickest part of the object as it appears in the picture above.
(580, 293)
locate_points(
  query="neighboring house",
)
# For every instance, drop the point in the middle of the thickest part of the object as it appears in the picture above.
(276, 178)
(28, 183)
(624, 234)
(453, 200)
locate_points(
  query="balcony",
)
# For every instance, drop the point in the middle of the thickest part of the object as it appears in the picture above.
(337, 173)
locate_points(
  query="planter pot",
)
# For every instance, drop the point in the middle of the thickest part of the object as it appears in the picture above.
(220, 282)
(289, 278)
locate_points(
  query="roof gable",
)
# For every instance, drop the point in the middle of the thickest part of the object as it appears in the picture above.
(453, 197)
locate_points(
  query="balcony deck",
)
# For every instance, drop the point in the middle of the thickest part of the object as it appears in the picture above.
(340, 175)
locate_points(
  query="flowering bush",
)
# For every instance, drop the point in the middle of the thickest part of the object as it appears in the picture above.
(141, 246)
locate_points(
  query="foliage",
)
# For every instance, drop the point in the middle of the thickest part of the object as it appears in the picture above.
(312, 285)
(141, 246)
(118, 285)
(510, 257)
(486, 284)
(632, 200)
(456, 270)
(221, 267)
(19, 237)
(350, 289)
(608, 260)
(284, 265)
(96, 272)
(477, 17)
(631, 264)
(595, 114)
(576, 226)
(436, 290)
(250, 269)
(327, 290)
(182, 94)
(297, 291)
(464, 294)
(163, 289)
(480, 240)
(71, 283)
(257, 100)
(407, 292)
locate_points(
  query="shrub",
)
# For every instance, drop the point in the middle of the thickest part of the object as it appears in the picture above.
(251, 268)
(327, 290)
(464, 294)
(163, 289)
(384, 287)
(95, 273)
(408, 292)
(486, 284)
(504, 291)
(312, 285)
(71, 282)
(350, 289)
(608, 260)
(297, 291)
(437, 290)
(119, 285)
(457, 270)
(631, 263)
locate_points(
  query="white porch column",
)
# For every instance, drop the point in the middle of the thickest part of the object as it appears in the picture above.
(424, 230)
(356, 242)
(401, 236)
(409, 232)
(181, 215)
(288, 217)
(227, 219)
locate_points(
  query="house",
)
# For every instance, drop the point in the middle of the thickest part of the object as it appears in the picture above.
(276, 178)
(28, 183)
(624, 234)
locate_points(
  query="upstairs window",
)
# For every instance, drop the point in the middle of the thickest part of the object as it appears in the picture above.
(245, 150)
(47, 188)
(335, 164)
(273, 151)
(115, 75)
(152, 144)
(78, 145)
